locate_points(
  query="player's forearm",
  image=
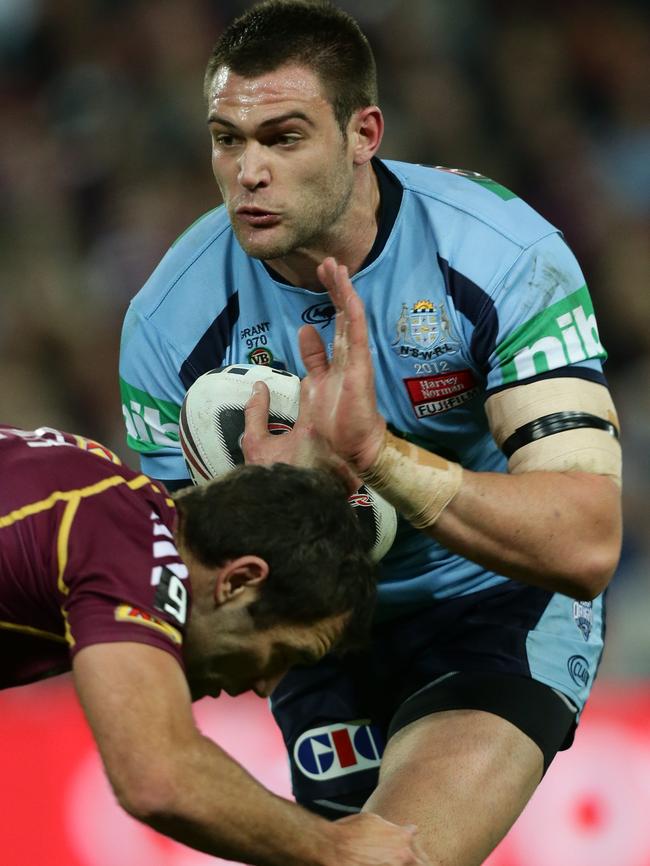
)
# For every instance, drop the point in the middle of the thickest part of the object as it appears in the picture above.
(207, 801)
(557, 530)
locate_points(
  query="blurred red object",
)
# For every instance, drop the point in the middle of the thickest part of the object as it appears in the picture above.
(57, 809)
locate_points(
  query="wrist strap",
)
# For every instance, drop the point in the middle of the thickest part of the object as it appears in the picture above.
(418, 483)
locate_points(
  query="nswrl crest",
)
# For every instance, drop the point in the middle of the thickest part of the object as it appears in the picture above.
(422, 325)
(583, 615)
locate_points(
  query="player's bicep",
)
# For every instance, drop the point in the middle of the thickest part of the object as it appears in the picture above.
(559, 424)
(137, 703)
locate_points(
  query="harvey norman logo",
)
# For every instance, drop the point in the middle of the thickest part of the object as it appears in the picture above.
(565, 333)
(150, 422)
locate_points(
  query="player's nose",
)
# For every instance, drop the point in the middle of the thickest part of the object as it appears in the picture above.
(253, 170)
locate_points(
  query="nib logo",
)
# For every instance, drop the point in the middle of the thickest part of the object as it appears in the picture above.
(150, 422)
(564, 334)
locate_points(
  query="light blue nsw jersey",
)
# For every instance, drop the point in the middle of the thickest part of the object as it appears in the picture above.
(470, 291)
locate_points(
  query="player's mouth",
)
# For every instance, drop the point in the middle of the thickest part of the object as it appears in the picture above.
(257, 217)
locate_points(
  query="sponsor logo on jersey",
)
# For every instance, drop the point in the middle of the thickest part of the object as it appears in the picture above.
(578, 668)
(563, 334)
(319, 314)
(150, 422)
(424, 331)
(128, 613)
(431, 395)
(583, 615)
(338, 750)
(261, 357)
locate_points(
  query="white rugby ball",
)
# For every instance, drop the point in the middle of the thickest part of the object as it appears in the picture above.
(212, 425)
(212, 415)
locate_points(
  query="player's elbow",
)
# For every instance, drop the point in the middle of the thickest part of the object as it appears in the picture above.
(591, 576)
(594, 554)
(149, 797)
(599, 571)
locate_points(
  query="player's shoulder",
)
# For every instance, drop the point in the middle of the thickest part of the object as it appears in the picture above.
(49, 464)
(476, 201)
(191, 259)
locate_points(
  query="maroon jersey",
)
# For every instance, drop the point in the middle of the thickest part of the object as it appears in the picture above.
(86, 555)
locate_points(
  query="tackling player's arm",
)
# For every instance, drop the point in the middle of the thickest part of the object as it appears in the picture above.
(167, 774)
(553, 521)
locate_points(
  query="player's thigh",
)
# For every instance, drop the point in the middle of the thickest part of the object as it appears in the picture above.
(463, 776)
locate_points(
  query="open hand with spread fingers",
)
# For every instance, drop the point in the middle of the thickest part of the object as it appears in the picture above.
(338, 424)
(339, 393)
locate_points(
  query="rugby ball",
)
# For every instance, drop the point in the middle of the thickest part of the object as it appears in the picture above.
(212, 426)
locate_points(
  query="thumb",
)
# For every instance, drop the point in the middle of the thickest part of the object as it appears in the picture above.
(256, 410)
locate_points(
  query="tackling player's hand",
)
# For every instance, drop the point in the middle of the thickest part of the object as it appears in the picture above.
(338, 395)
(368, 840)
(302, 446)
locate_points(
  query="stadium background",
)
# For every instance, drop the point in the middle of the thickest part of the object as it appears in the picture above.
(104, 160)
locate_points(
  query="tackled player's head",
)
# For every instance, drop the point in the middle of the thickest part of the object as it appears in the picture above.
(316, 35)
(300, 523)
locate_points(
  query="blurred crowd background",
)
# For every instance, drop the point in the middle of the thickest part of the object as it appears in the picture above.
(104, 160)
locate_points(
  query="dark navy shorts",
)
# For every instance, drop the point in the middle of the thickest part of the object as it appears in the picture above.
(519, 652)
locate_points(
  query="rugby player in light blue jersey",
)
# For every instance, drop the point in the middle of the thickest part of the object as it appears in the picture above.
(500, 452)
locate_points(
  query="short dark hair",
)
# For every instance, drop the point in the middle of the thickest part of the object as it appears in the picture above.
(313, 34)
(300, 522)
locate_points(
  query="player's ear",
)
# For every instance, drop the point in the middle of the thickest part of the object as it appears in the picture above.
(365, 132)
(237, 575)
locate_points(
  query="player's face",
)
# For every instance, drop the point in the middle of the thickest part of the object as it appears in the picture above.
(283, 166)
(243, 658)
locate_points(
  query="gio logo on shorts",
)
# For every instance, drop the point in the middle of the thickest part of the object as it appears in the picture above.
(338, 750)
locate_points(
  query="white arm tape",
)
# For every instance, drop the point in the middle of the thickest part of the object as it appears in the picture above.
(584, 449)
(418, 483)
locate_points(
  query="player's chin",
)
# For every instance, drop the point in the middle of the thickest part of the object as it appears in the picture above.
(268, 244)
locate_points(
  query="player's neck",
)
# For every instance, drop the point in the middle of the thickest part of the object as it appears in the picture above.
(349, 241)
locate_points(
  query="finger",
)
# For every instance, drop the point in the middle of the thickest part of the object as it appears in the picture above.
(312, 351)
(336, 279)
(420, 853)
(256, 411)
(356, 327)
(327, 275)
(340, 350)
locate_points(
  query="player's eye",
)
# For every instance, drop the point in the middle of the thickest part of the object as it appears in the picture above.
(285, 139)
(224, 139)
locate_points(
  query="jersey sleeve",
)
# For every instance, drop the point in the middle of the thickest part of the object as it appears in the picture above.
(120, 574)
(152, 394)
(546, 323)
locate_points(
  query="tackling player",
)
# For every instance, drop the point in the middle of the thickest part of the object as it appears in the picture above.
(271, 571)
(501, 450)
